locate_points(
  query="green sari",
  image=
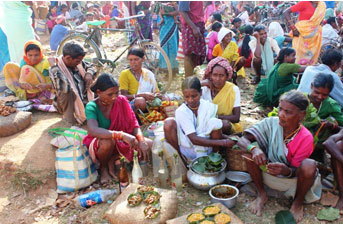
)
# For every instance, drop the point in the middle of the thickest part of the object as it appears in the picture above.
(279, 80)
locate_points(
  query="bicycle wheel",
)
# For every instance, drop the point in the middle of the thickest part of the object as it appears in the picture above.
(152, 57)
(324, 48)
(93, 52)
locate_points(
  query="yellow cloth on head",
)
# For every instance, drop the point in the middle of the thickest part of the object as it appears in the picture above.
(225, 100)
(307, 45)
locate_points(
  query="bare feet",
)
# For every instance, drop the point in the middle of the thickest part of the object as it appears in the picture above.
(257, 205)
(339, 204)
(104, 176)
(297, 211)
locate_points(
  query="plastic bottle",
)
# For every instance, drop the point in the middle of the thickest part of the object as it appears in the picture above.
(137, 174)
(176, 176)
(157, 147)
(169, 152)
(94, 197)
(123, 176)
(163, 174)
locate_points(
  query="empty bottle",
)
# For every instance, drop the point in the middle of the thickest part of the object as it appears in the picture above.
(176, 175)
(94, 197)
(163, 174)
(137, 174)
(157, 147)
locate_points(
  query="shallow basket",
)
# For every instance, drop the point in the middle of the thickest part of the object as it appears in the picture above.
(235, 160)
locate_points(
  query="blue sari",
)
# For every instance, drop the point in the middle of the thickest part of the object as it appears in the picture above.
(169, 41)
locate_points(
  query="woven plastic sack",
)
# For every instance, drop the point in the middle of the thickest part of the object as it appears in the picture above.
(74, 168)
(64, 137)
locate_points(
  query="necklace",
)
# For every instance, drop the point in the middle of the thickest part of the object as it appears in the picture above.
(292, 134)
(137, 76)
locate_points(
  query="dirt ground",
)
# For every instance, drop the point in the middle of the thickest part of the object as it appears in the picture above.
(27, 170)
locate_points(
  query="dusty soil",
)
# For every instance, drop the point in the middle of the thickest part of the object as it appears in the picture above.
(27, 170)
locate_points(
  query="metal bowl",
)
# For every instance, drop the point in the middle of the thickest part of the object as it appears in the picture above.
(204, 181)
(228, 202)
(238, 176)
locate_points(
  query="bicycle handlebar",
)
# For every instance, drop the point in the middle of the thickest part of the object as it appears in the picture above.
(140, 14)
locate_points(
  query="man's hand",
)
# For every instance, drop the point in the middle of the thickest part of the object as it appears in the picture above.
(256, 35)
(196, 32)
(88, 80)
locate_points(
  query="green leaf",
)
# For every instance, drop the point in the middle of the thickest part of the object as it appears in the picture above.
(329, 214)
(199, 167)
(284, 217)
(235, 147)
(215, 158)
(263, 168)
(202, 160)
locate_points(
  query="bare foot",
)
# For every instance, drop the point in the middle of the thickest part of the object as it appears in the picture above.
(339, 204)
(257, 205)
(298, 212)
(104, 176)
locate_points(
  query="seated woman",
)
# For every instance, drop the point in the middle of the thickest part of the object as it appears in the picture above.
(195, 129)
(31, 78)
(244, 48)
(228, 49)
(112, 127)
(137, 83)
(328, 110)
(279, 80)
(223, 93)
(236, 24)
(284, 146)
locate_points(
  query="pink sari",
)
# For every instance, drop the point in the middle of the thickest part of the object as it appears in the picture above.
(122, 119)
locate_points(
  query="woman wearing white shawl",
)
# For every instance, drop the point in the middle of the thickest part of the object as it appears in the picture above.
(275, 31)
(195, 131)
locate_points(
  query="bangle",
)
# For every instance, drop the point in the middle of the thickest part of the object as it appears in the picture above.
(140, 137)
(117, 135)
(250, 148)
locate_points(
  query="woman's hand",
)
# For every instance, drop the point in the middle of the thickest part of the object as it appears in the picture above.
(229, 143)
(259, 157)
(296, 33)
(43, 87)
(144, 150)
(26, 86)
(147, 96)
(158, 95)
(130, 139)
(276, 169)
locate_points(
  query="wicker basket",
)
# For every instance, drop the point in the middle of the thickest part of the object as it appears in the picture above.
(235, 160)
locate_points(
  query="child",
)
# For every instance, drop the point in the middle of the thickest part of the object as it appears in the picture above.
(212, 39)
(161, 8)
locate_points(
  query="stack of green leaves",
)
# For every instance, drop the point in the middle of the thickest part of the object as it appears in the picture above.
(208, 164)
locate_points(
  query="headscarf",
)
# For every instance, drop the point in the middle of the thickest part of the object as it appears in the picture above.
(34, 42)
(218, 61)
(275, 30)
(223, 32)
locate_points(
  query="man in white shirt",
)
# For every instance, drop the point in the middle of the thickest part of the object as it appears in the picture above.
(330, 33)
(265, 50)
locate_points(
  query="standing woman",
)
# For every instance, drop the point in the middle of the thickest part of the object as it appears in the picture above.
(307, 32)
(169, 37)
(144, 22)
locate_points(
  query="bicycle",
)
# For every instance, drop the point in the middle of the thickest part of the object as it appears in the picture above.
(332, 44)
(96, 53)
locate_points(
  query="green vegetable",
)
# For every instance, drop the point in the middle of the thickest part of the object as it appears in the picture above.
(199, 167)
(263, 168)
(329, 214)
(284, 217)
(215, 158)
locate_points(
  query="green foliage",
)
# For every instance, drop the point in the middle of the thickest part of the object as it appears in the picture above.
(263, 168)
(284, 217)
(209, 164)
(329, 214)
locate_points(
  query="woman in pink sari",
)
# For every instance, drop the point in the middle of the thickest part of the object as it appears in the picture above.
(113, 130)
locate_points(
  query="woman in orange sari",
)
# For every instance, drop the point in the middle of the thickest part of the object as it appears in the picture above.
(307, 32)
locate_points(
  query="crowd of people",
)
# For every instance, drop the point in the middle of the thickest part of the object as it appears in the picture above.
(230, 38)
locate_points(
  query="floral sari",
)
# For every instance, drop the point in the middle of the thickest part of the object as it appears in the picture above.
(307, 45)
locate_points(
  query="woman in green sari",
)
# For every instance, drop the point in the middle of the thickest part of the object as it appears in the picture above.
(279, 80)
